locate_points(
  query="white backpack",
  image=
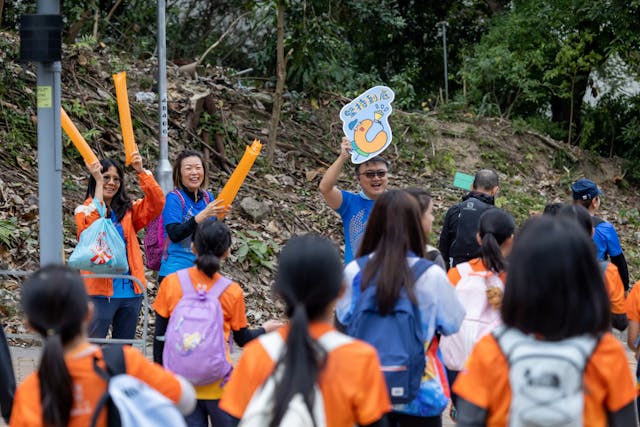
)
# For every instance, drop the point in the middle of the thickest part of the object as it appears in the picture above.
(481, 317)
(260, 408)
(129, 401)
(546, 378)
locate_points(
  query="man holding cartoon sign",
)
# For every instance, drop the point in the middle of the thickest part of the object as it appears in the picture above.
(367, 130)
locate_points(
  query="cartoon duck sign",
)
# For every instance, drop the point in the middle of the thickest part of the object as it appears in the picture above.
(365, 121)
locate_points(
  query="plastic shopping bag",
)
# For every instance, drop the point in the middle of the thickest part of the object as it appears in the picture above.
(100, 250)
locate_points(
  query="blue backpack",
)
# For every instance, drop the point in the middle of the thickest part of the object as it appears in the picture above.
(397, 336)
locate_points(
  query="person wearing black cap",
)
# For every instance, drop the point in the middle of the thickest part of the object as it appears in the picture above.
(586, 193)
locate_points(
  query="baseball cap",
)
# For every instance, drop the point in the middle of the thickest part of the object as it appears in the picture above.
(585, 189)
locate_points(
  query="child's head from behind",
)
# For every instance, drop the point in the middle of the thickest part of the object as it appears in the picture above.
(211, 242)
(394, 225)
(580, 215)
(495, 235)
(55, 301)
(56, 304)
(498, 223)
(309, 274)
(554, 285)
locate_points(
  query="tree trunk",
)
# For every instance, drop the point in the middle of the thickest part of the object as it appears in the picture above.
(495, 6)
(76, 27)
(561, 108)
(281, 76)
(1, 8)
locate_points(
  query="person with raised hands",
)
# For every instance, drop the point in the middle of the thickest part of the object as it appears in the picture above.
(354, 208)
(117, 302)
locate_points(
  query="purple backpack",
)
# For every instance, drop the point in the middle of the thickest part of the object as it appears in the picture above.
(155, 246)
(195, 347)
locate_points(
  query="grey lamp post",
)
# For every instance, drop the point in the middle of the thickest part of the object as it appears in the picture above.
(41, 42)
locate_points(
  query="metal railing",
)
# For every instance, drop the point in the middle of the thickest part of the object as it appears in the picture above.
(140, 343)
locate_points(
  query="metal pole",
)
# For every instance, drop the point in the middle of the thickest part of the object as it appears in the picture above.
(444, 53)
(164, 169)
(49, 153)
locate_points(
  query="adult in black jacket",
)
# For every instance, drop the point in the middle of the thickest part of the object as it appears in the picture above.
(458, 238)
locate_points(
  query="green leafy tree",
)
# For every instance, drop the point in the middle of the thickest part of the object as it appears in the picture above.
(539, 55)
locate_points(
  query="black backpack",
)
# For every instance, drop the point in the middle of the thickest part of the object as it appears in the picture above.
(465, 247)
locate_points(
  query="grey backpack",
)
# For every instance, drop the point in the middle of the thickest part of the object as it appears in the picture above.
(546, 378)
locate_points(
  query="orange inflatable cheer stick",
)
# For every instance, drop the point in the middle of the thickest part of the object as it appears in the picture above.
(130, 146)
(72, 132)
(230, 189)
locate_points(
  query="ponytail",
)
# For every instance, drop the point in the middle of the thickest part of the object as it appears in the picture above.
(308, 279)
(495, 227)
(492, 254)
(302, 362)
(56, 388)
(55, 301)
(209, 264)
(212, 239)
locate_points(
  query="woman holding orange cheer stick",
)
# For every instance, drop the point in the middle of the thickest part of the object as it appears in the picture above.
(117, 301)
(187, 205)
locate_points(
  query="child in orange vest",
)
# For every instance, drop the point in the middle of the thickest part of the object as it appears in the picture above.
(65, 389)
(352, 387)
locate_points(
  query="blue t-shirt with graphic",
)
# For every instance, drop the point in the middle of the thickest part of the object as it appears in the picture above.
(354, 210)
(179, 254)
(606, 239)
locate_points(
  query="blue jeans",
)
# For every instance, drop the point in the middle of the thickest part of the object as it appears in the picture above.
(119, 313)
(205, 410)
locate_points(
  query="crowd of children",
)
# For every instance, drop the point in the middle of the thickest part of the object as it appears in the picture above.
(516, 332)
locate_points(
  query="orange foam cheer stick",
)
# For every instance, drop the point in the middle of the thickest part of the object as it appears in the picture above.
(230, 189)
(74, 134)
(126, 127)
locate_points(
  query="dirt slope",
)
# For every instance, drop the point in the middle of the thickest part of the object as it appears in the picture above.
(219, 114)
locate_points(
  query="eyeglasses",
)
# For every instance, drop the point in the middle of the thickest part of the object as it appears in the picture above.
(372, 174)
(115, 179)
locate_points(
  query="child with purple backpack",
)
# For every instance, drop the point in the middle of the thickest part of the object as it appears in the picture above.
(197, 309)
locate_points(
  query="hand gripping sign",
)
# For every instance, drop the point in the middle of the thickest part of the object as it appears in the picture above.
(365, 121)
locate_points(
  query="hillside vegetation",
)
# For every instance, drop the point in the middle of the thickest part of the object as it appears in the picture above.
(219, 115)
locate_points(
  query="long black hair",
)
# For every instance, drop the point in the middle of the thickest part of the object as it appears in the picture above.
(121, 202)
(580, 215)
(394, 229)
(308, 279)
(554, 285)
(496, 226)
(55, 302)
(211, 240)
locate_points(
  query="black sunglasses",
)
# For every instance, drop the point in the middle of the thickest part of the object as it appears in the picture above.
(373, 174)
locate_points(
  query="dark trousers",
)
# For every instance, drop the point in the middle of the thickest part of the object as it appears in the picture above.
(451, 377)
(119, 313)
(205, 410)
(397, 419)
